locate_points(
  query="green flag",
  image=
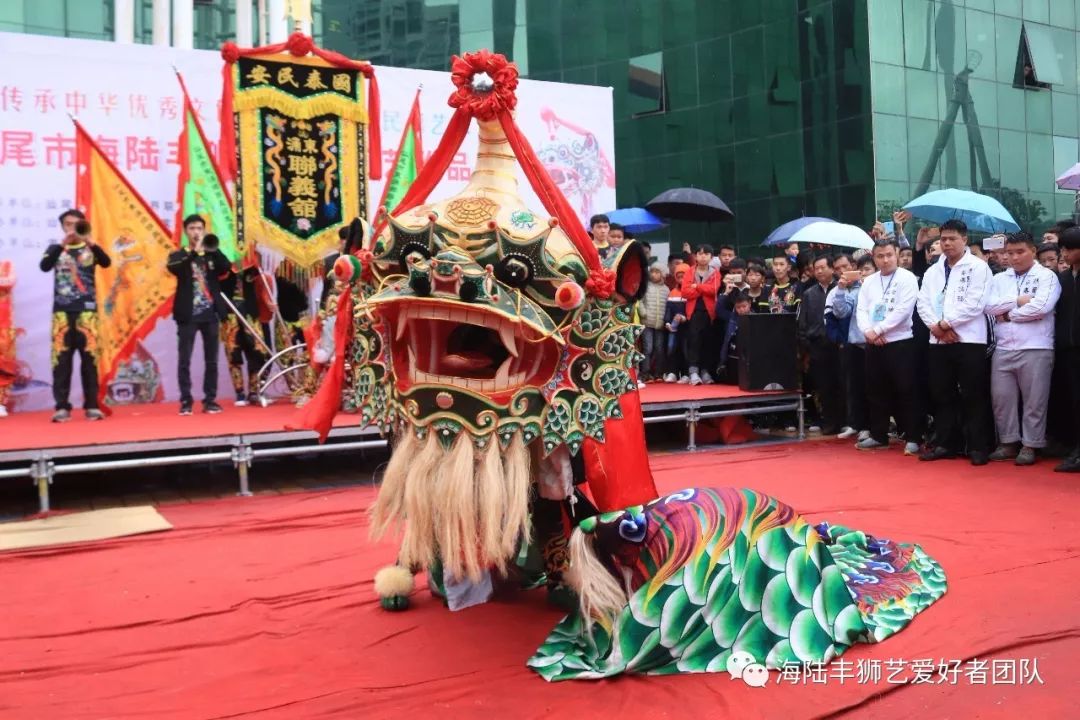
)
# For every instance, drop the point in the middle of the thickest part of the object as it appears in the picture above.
(407, 162)
(201, 189)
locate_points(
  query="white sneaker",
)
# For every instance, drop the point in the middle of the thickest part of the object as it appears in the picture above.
(814, 429)
(790, 429)
(3, 411)
(911, 448)
(640, 385)
(684, 380)
(847, 432)
(863, 434)
(695, 379)
(670, 378)
(706, 378)
(870, 444)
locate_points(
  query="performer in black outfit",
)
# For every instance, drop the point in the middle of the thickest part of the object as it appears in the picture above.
(199, 269)
(75, 318)
(240, 344)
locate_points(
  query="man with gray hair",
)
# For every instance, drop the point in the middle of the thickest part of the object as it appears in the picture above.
(1022, 301)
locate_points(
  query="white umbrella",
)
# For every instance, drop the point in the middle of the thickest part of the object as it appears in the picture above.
(832, 233)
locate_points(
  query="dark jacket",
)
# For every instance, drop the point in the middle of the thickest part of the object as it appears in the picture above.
(1067, 313)
(74, 284)
(328, 284)
(216, 268)
(812, 314)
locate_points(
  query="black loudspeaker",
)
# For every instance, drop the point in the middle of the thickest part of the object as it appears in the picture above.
(766, 346)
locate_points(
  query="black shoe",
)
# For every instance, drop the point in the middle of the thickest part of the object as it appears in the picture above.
(979, 458)
(185, 408)
(936, 453)
(1069, 466)
(210, 407)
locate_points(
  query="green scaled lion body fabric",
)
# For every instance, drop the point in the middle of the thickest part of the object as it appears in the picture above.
(717, 571)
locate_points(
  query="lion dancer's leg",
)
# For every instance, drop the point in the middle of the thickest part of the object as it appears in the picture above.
(230, 340)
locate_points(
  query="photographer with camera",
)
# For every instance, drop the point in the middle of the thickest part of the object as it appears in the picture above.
(199, 269)
(75, 260)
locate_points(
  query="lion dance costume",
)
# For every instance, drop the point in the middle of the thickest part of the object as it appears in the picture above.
(498, 350)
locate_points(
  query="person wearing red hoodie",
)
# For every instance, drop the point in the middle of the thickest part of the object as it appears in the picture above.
(700, 288)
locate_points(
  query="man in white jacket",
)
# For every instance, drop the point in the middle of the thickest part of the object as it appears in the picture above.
(883, 314)
(1022, 301)
(952, 303)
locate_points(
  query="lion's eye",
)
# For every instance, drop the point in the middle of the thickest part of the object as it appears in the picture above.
(515, 271)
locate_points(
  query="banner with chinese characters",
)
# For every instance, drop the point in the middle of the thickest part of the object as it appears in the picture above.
(302, 155)
(128, 99)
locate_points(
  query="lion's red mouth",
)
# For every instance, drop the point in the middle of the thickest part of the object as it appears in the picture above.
(470, 348)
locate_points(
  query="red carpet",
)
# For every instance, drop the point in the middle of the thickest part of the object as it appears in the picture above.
(673, 392)
(140, 423)
(263, 607)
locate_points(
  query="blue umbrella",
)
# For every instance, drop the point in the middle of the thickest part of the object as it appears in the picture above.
(979, 212)
(782, 235)
(636, 220)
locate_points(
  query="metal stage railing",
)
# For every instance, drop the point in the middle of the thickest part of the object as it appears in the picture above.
(242, 449)
(43, 465)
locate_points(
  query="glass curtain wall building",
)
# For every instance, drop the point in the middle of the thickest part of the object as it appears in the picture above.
(976, 94)
(840, 108)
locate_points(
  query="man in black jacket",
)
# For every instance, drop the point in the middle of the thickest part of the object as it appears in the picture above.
(824, 355)
(75, 319)
(199, 269)
(1067, 334)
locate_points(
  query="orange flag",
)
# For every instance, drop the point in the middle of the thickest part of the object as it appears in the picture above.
(136, 289)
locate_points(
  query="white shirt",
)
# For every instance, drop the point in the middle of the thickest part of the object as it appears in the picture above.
(961, 302)
(1030, 327)
(886, 303)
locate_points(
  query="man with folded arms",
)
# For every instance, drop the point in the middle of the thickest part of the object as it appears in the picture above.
(1022, 301)
(952, 303)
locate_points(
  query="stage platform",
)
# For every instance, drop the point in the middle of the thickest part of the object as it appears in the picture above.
(31, 446)
(671, 402)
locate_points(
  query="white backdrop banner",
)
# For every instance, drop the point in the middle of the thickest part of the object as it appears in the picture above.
(128, 98)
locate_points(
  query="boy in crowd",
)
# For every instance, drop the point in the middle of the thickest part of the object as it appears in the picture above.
(791, 252)
(652, 308)
(952, 303)
(75, 259)
(1053, 235)
(1067, 336)
(887, 299)
(755, 289)
(782, 296)
(700, 288)
(599, 225)
(843, 302)
(1022, 301)
(675, 325)
(197, 309)
(616, 237)
(727, 254)
(907, 258)
(1048, 256)
(824, 355)
(729, 350)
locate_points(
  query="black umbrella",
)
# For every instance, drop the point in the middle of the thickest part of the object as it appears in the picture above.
(691, 204)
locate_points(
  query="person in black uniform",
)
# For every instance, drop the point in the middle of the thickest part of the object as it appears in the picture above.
(75, 319)
(240, 344)
(1067, 337)
(199, 269)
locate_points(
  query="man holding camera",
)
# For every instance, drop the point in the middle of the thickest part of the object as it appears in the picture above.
(75, 320)
(199, 269)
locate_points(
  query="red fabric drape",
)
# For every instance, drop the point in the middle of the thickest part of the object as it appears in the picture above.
(318, 414)
(553, 200)
(299, 45)
(617, 470)
(434, 168)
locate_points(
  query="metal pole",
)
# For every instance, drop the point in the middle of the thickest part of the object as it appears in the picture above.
(241, 457)
(802, 417)
(691, 428)
(43, 471)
